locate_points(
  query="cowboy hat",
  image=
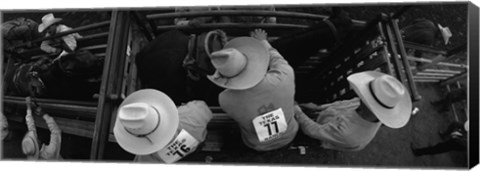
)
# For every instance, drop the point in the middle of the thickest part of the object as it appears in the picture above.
(30, 145)
(384, 95)
(241, 64)
(47, 20)
(146, 121)
(446, 33)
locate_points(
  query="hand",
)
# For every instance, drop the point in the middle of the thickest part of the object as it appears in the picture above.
(28, 101)
(259, 34)
(39, 111)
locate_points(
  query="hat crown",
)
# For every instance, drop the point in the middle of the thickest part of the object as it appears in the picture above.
(229, 62)
(446, 33)
(138, 118)
(29, 145)
(388, 90)
(48, 17)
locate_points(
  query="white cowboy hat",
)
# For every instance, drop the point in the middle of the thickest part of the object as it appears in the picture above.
(30, 145)
(446, 33)
(241, 64)
(146, 121)
(47, 20)
(384, 95)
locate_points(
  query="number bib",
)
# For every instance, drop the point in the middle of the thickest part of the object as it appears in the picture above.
(270, 126)
(183, 145)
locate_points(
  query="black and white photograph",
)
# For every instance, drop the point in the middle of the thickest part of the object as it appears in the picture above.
(359, 85)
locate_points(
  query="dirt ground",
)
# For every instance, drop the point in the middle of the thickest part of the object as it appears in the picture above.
(390, 147)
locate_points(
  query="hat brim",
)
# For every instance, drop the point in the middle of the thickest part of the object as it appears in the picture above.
(446, 33)
(31, 135)
(169, 121)
(394, 118)
(256, 68)
(43, 26)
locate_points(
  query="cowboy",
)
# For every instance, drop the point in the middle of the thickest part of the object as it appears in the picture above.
(149, 125)
(30, 144)
(259, 91)
(3, 126)
(52, 26)
(423, 31)
(351, 124)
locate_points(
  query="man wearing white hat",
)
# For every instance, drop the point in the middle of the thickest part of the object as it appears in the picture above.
(3, 126)
(149, 125)
(351, 124)
(259, 93)
(30, 144)
(51, 26)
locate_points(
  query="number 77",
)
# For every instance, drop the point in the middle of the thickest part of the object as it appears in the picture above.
(270, 129)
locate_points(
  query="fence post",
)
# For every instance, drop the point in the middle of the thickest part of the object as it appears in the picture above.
(110, 90)
(406, 65)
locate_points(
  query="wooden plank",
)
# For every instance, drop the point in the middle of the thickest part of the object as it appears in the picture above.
(443, 71)
(454, 79)
(418, 59)
(235, 25)
(434, 74)
(430, 81)
(356, 23)
(110, 88)
(416, 46)
(75, 30)
(102, 46)
(406, 66)
(427, 77)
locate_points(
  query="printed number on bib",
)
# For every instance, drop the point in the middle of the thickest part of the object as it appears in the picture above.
(183, 145)
(270, 126)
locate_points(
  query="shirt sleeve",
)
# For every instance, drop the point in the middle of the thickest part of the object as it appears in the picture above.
(53, 148)
(195, 115)
(71, 39)
(279, 69)
(328, 132)
(30, 121)
(45, 46)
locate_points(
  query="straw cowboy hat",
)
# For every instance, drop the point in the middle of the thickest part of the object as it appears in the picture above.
(146, 121)
(47, 20)
(446, 33)
(384, 95)
(30, 145)
(241, 64)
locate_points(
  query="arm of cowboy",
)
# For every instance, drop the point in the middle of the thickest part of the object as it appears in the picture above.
(195, 115)
(52, 150)
(29, 117)
(327, 132)
(279, 69)
(45, 46)
(52, 125)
